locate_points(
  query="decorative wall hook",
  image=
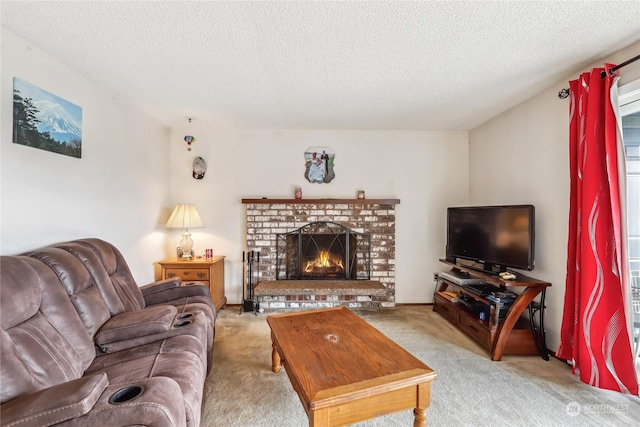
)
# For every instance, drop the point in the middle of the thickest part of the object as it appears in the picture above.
(564, 93)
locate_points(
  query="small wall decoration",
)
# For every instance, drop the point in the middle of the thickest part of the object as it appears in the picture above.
(199, 168)
(189, 140)
(319, 163)
(45, 121)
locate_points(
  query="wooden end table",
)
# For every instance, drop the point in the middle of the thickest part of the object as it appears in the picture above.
(346, 371)
(209, 271)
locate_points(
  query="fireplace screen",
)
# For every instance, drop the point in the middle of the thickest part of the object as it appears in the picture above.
(323, 251)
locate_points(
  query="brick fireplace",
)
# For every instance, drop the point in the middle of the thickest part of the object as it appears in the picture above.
(267, 218)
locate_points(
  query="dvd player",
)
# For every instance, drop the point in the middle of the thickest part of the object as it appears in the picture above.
(460, 278)
(482, 290)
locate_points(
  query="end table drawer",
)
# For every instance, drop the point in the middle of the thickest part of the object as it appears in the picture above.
(188, 274)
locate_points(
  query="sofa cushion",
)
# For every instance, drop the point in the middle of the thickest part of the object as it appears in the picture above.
(29, 298)
(41, 349)
(118, 271)
(80, 286)
(15, 375)
(99, 275)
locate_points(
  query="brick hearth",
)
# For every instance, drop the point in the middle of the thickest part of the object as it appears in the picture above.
(321, 293)
(267, 217)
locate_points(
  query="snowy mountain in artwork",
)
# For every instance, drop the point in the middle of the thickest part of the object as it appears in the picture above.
(57, 121)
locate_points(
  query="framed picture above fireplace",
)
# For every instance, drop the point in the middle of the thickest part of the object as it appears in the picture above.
(318, 163)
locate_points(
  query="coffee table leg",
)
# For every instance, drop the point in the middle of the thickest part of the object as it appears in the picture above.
(422, 403)
(421, 417)
(276, 362)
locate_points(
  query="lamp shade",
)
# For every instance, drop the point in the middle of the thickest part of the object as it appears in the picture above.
(185, 216)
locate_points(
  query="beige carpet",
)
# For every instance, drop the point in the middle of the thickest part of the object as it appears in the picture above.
(471, 390)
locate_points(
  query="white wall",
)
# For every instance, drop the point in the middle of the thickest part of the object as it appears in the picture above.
(132, 173)
(117, 191)
(522, 156)
(427, 171)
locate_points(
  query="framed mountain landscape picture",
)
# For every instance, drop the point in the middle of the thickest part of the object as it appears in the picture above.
(45, 121)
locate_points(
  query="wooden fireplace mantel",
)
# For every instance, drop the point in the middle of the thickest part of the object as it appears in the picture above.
(325, 201)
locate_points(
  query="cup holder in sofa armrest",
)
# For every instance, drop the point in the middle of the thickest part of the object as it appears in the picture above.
(182, 323)
(185, 315)
(126, 394)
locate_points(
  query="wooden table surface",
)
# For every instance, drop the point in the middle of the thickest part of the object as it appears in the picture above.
(345, 370)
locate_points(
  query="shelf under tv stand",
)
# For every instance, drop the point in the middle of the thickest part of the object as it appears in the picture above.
(509, 336)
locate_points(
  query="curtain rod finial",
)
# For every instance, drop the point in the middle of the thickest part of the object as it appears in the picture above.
(564, 93)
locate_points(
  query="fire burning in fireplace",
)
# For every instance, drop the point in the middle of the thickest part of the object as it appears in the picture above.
(325, 265)
(323, 251)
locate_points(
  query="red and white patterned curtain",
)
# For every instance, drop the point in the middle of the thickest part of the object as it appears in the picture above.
(596, 333)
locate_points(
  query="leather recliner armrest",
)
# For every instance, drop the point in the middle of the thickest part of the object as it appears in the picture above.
(134, 324)
(55, 404)
(161, 285)
(161, 296)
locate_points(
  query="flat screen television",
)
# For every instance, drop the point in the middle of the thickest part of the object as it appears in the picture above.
(494, 238)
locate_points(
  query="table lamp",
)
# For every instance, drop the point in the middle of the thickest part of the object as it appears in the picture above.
(185, 216)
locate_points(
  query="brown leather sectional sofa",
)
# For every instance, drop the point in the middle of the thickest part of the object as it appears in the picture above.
(83, 345)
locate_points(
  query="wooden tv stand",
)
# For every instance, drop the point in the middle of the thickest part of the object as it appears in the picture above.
(510, 336)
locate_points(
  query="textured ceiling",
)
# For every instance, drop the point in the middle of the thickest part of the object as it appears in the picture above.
(434, 65)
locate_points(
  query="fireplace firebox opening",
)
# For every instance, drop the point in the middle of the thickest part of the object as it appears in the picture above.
(323, 250)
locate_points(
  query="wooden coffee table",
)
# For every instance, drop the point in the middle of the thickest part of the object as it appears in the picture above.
(346, 371)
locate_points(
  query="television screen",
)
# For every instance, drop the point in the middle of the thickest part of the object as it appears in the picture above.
(495, 236)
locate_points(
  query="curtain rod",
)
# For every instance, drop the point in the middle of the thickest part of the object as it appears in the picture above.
(617, 67)
(564, 93)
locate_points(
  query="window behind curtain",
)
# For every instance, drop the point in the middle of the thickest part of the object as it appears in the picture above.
(630, 112)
